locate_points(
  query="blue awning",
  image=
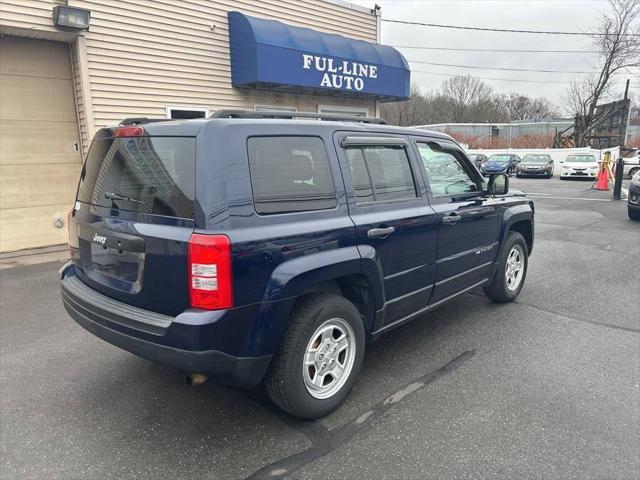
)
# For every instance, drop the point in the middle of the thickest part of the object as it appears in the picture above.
(268, 54)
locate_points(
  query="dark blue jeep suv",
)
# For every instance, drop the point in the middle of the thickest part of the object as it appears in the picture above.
(249, 248)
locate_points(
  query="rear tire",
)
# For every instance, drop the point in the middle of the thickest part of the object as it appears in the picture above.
(325, 332)
(512, 270)
(633, 171)
(633, 214)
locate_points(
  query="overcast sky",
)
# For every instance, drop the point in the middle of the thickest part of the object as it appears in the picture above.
(554, 15)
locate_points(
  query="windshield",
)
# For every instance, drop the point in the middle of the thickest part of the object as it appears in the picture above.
(581, 158)
(500, 158)
(536, 159)
(142, 174)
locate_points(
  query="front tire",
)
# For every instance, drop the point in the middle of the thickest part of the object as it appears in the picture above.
(512, 270)
(319, 358)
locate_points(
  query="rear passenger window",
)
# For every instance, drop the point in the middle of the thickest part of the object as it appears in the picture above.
(290, 174)
(380, 173)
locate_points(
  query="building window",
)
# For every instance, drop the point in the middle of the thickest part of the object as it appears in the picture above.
(342, 110)
(186, 111)
(290, 174)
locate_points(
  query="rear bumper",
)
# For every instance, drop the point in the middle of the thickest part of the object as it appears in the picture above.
(119, 324)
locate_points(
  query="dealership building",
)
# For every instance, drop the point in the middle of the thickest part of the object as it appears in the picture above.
(70, 67)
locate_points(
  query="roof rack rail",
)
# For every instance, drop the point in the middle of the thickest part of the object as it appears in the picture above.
(141, 120)
(291, 115)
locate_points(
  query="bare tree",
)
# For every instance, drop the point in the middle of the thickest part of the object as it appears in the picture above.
(522, 107)
(464, 93)
(438, 108)
(408, 112)
(464, 99)
(487, 110)
(618, 41)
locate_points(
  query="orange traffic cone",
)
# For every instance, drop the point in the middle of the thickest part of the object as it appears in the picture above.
(602, 181)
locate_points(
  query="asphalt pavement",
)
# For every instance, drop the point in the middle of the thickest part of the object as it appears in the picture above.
(547, 387)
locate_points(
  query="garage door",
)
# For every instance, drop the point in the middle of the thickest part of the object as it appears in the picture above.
(39, 157)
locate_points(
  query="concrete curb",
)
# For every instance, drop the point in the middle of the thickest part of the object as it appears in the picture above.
(55, 253)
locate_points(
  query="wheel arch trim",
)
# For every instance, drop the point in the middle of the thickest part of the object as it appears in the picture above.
(292, 278)
(516, 214)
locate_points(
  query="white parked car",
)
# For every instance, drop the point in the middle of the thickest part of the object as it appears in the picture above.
(579, 166)
(632, 165)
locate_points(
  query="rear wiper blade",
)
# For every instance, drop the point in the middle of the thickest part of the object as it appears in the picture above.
(119, 196)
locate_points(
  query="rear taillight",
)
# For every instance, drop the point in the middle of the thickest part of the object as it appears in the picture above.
(131, 131)
(210, 283)
(72, 231)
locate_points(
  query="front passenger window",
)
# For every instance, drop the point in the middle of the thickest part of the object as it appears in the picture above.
(445, 173)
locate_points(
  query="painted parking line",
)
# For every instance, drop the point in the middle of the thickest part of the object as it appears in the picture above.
(325, 441)
(548, 197)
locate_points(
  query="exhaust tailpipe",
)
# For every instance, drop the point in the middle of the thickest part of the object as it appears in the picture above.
(196, 379)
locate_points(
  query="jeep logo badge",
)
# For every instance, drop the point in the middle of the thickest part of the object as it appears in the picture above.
(99, 239)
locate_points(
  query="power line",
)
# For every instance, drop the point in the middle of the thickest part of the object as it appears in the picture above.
(495, 68)
(494, 78)
(489, 78)
(504, 30)
(493, 50)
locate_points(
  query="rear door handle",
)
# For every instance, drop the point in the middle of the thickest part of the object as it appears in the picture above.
(380, 232)
(451, 219)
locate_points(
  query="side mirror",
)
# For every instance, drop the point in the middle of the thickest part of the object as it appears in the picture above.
(561, 161)
(498, 184)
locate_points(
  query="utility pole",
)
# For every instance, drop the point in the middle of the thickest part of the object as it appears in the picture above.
(626, 130)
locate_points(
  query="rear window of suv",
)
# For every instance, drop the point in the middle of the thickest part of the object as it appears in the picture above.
(290, 174)
(154, 175)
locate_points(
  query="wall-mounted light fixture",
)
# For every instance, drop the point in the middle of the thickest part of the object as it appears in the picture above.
(70, 18)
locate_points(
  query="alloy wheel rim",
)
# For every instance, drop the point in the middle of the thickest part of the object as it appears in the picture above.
(514, 270)
(329, 358)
